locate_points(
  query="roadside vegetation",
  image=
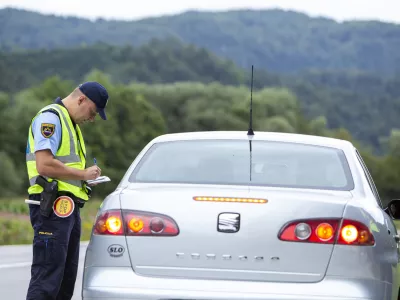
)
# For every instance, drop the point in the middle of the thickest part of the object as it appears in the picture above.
(15, 226)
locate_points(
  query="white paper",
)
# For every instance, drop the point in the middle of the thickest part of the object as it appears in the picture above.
(100, 179)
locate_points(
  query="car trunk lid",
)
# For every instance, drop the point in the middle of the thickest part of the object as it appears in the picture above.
(208, 245)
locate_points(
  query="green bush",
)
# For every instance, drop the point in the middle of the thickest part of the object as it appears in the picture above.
(15, 231)
(15, 226)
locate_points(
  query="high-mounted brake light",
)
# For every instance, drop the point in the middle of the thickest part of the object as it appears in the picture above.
(134, 223)
(229, 199)
(328, 231)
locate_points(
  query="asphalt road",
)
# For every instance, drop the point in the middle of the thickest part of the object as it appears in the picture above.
(15, 268)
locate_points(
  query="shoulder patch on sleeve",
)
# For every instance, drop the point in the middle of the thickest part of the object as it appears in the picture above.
(47, 129)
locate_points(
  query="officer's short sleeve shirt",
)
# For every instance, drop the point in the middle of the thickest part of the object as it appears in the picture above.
(47, 132)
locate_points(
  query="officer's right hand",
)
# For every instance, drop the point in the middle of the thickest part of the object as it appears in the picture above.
(92, 173)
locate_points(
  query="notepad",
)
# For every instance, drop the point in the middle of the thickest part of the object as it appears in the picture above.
(98, 180)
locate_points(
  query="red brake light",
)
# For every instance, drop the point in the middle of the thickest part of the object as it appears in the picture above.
(355, 233)
(109, 222)
(135, 223)
(328, 231)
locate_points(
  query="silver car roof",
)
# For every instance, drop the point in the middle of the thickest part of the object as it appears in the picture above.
(258, 135)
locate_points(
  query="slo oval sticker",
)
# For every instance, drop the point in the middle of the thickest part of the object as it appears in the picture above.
(116, 250)
(64, 206)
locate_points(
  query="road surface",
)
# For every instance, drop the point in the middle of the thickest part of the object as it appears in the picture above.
(15, 268)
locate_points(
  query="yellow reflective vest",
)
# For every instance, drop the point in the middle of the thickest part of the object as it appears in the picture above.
(71, 152)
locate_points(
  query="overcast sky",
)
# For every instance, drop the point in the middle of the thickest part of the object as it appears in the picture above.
(384, 10)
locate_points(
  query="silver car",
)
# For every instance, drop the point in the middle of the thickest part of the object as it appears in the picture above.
(224, 216)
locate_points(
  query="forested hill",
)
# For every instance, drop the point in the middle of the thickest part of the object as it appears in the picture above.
(165, 61)
(279, 41)
(365, 104)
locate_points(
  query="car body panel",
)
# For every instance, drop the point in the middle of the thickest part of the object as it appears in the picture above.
(204, 263)
(121, 283)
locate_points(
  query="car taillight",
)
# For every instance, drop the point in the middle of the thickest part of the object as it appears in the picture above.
(109, 222)
(355, 233)
(328, 231)
(135, 223)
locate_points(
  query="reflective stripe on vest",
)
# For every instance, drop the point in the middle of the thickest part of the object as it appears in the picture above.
(72, 156)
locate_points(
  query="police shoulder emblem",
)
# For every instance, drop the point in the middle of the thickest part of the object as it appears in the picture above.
(47, 129)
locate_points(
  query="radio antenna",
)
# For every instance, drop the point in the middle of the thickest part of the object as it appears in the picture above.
(250, 131)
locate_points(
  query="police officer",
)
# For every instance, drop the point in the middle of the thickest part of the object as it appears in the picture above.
(56, 152)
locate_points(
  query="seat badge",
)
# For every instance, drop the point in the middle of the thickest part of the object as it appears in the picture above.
(228, 222)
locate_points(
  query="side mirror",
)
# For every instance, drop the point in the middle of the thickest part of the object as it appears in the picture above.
(393, 209)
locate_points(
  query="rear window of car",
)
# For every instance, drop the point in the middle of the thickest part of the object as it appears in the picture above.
(230, 162)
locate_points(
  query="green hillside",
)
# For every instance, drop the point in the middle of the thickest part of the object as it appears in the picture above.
(366, 104)
(276, 40)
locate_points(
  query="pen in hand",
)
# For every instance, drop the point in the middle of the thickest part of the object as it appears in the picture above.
(95, 163)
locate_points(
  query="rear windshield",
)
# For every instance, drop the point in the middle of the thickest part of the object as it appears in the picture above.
(230, 162)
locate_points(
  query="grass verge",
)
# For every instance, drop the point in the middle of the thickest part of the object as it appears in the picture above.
(15, 226)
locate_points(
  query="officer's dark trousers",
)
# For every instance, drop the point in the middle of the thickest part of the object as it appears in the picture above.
(55, 254)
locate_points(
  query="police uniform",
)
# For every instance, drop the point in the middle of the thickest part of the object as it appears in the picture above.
(56, 239)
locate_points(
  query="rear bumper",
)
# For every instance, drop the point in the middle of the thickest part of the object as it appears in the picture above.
(122, 283)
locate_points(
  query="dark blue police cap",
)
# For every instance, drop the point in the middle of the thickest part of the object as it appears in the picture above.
(98, 94)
